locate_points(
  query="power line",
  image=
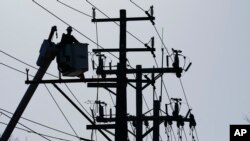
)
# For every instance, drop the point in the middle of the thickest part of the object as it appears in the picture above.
(74, 8)
(168, 54)
(19, 60)
(11, 56)
(137, 5)
(28, 128)
(184, 93)
(115, 22)
(196, 134)
(184, 133)
(71, 26)
(61, 110)
(77, 100)
(28, 131)
(42, 124)
(51, 96)
(15, 69)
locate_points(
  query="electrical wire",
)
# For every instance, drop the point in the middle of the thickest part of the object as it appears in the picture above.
(137, 6)
(184, 93)
(73, 8)
(15, 69)
(61, 110)
(23, 62)
(29, 131)
(184, 133)
(77, 100)
(171, 128)
(50, 95)
(159, 36)
(72, 27)
(45, 126)
(11, 56)
(196, 134)
(28, 128)
(115, 22)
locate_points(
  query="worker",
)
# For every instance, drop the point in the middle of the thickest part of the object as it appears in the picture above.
(69, 39)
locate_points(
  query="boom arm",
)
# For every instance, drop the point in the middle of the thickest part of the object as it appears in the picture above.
(31, 90)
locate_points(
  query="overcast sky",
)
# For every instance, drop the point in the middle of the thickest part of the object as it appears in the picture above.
(213, 34)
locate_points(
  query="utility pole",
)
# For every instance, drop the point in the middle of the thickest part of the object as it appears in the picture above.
(121, 128)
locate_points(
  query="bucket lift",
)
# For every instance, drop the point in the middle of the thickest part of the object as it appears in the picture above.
(72, 59)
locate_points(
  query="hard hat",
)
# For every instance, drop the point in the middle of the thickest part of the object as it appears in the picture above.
(69, 28)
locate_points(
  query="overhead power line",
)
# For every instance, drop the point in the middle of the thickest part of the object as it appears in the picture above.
(71, 26)
(40, 124)
(25, 63)
(31, 130)
(50, 95)
(61, 110)
(74, 8)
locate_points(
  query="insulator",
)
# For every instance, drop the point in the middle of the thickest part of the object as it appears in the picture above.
(167, 60)
(166, 107)
(93, 64)
(101, 112)
(110, 65)
(192, 122)
(188, 66)
(152, 42)
(93, 14)
(110, 113)
(152, 10)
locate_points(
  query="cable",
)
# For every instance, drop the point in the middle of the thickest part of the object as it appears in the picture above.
(61, 110)
(74, 8)
(196, 134)
(71, 26)
(184, 133)
(51, 96)
(11, 56)
(184, 93)
(77, 100)
(28, 128)
(115, 22)
(28, 131)
(112, 99)
(41, 124)
(15, 69)
(171, 128)
(137, 6)
(19, 60)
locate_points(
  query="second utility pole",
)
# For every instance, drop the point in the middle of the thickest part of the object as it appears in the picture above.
(121, 127)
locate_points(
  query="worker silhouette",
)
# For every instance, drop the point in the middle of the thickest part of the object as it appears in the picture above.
(69, 39)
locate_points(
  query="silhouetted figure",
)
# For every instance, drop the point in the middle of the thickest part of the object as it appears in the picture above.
(69, 39)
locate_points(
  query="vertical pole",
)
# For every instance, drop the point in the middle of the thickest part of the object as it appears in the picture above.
(121, 128)
(24, 102)
(156, 123)
(139, 103)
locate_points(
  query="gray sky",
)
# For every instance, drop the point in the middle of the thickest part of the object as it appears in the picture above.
(214, 34)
